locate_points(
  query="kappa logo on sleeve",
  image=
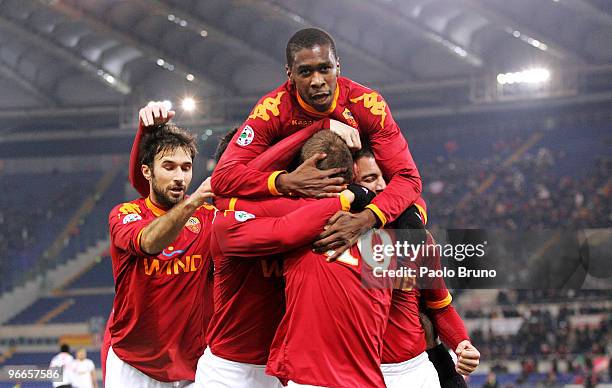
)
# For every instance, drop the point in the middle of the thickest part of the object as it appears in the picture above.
(269, 104)
(130, 208)
(131, 218)
(246, 136)
(376, 107)
(242, 216)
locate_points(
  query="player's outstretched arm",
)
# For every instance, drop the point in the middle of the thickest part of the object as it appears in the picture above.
(242, 234)
(392, 155)
(308, 181)
(451, 329)
(163, 230)
(281, 154)
(148, 117)
(235, 177)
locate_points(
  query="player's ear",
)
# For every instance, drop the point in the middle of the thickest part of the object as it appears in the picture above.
(146, 172)
(338, 65)
(355, 171)
(288, 72)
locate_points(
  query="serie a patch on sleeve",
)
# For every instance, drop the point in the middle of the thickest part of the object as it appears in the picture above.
(242, 216)
(132, 217)
(246, 136)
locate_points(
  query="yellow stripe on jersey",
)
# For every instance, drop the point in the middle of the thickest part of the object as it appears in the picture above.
(381, 216)
(441, 303)
(138, 238)
(423, 213)
(346, 204)
(232, 203)
(272, 182)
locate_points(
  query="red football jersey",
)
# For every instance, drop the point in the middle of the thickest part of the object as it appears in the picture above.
(162, 303)
(282, 112)
(404, 337)
(249, 286)
(332, 332)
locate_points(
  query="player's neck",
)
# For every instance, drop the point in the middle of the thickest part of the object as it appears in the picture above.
(308, 108)
(153, 204)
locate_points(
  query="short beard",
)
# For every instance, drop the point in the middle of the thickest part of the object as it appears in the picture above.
(164, 200)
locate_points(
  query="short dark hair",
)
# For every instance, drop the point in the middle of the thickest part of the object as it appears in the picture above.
(365, 151)
(224, 142)
(338, 153)
(306, 39)
(65, 348)
(164, 138)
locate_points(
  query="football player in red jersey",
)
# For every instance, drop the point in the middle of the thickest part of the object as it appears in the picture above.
(404, 357)
(249, 288)
(161, 262)
(313, 94)
(238, 345)
(360, 314)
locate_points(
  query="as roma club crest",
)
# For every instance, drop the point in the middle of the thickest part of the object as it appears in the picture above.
(194, 225)
(348, 116)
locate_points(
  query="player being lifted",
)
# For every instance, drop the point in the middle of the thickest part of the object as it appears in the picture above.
(313, 94)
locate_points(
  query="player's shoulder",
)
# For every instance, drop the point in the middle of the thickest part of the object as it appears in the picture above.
(365, 103)
(133, 209)
(355, 89)
(206, 212)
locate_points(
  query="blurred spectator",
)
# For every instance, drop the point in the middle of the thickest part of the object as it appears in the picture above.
(83, 371)
(491, 381)
(63, 360)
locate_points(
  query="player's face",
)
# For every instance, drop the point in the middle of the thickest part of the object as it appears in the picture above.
(368, 174)
(171, 176)
(314, 73)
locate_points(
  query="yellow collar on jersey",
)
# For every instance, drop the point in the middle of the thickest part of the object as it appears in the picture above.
(154, 208)
(315, 112)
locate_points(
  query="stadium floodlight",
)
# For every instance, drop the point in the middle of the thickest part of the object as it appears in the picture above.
(188, 104)
(530, 76)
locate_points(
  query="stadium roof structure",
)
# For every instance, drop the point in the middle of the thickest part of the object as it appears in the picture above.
(95, 57)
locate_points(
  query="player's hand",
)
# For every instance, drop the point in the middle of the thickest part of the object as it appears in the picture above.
(203, 192)
(308, 181)
(342, 231)
(349, 134)
(155, 113)
(468, 357)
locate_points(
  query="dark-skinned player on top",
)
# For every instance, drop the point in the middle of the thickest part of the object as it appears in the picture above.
(316, 95)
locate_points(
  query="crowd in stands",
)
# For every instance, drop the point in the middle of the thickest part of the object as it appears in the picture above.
(551, 330)
(35, 209)
(527, 194)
